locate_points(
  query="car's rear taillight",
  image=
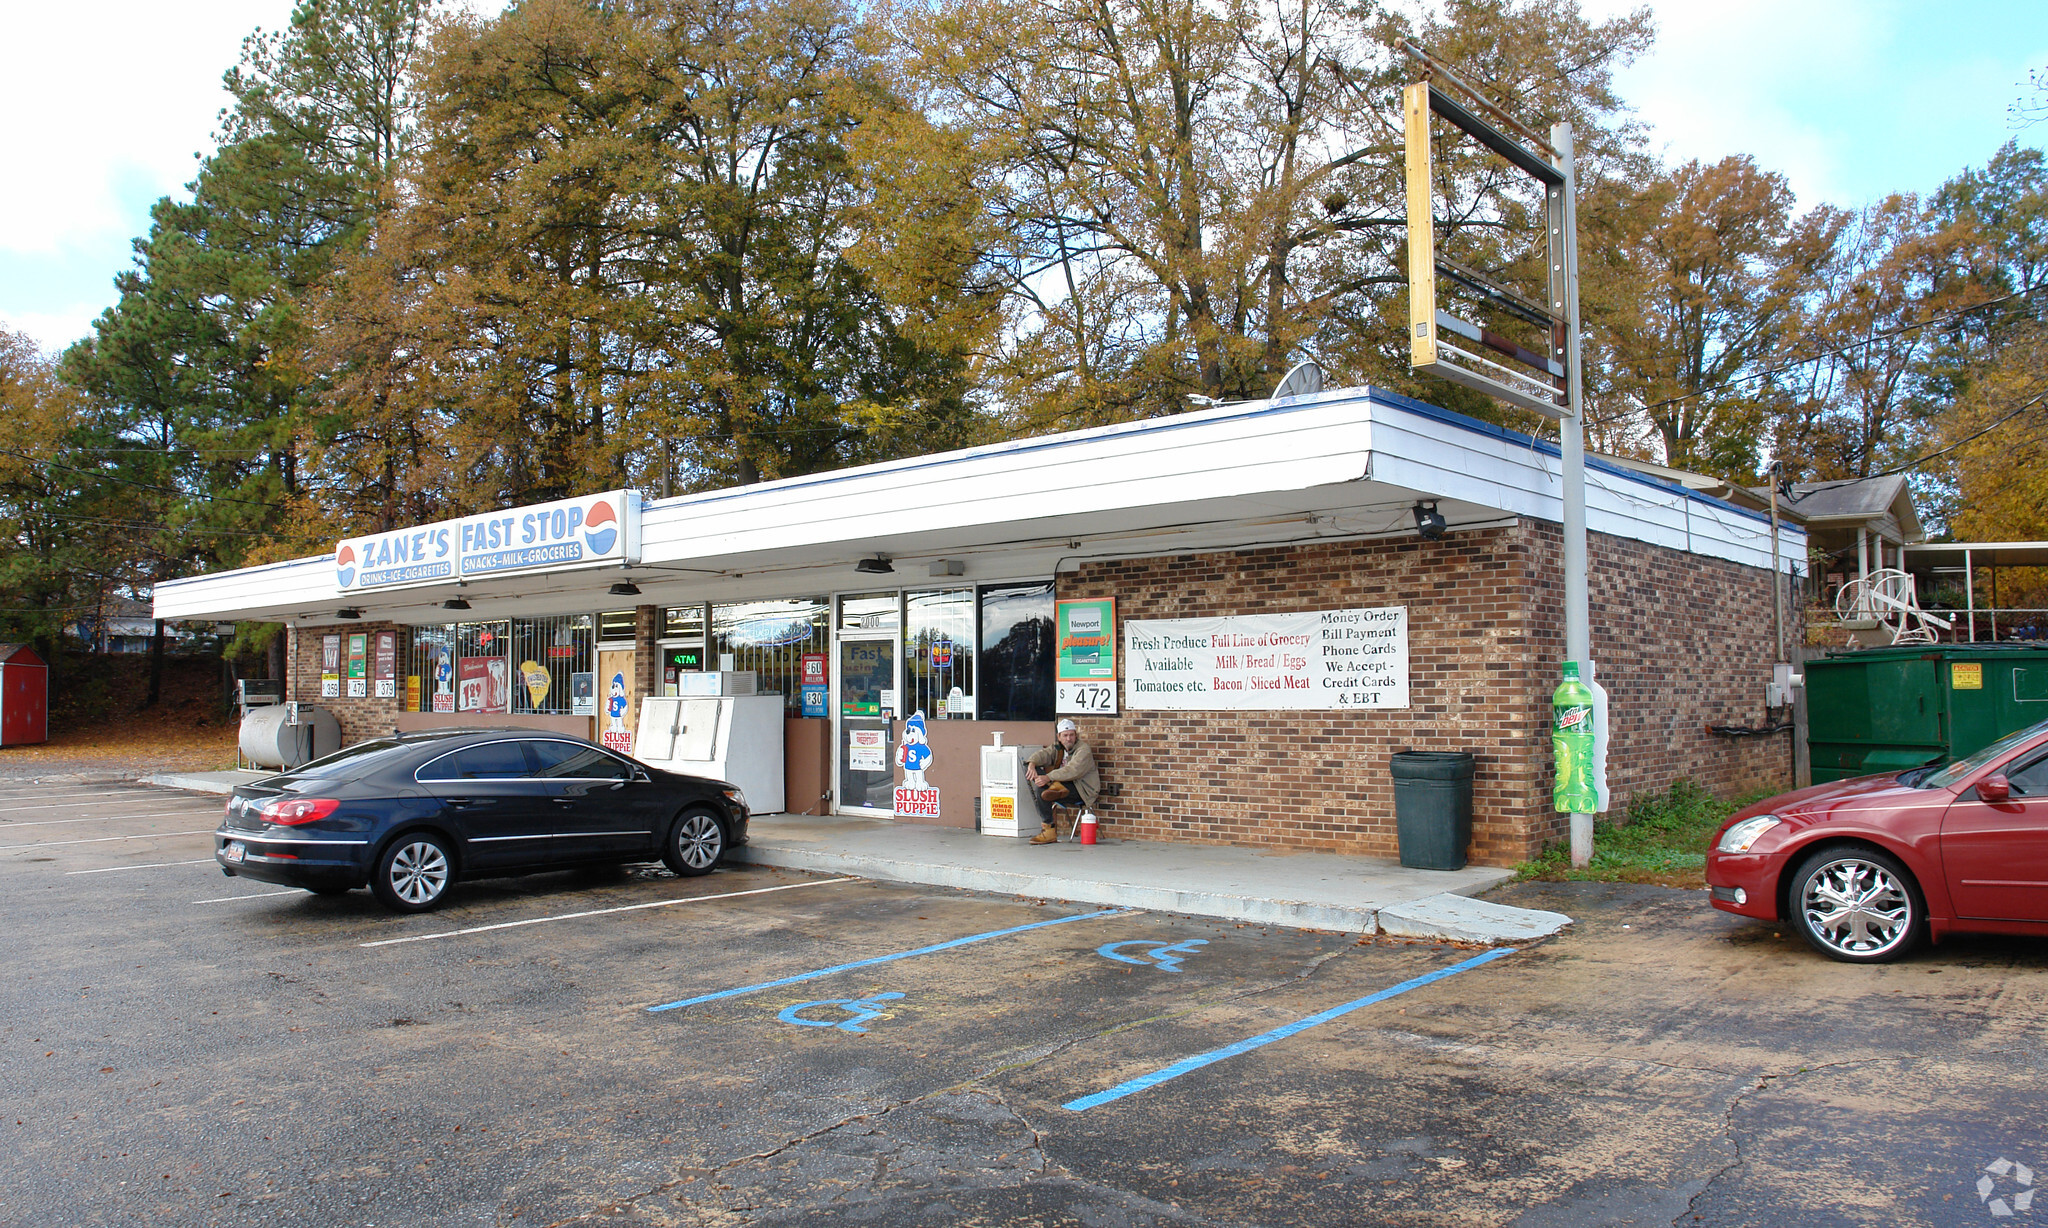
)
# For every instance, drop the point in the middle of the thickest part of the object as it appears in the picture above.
(298, 810)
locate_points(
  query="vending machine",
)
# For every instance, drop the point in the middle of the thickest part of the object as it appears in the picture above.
(1006, 805)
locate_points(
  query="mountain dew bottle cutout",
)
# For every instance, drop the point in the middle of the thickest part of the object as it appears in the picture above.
(1571, 741)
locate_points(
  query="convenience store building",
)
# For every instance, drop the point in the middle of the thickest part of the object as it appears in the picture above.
(1237, 602)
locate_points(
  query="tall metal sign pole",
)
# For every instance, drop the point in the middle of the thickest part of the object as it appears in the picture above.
(1563, 215)
(1448, 346)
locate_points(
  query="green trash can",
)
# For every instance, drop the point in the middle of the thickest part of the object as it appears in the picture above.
(1433, 807)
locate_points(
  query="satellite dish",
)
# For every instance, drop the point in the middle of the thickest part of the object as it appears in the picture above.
(1305, 380)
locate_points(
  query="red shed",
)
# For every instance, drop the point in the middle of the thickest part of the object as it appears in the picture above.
(24, 696)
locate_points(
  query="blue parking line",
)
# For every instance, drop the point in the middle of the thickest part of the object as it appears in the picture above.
(1213, 1056)
(883, 959)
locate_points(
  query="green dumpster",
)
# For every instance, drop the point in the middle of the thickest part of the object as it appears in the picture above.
(1889, 709)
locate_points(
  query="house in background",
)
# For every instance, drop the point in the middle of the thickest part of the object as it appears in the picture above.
(126, 627)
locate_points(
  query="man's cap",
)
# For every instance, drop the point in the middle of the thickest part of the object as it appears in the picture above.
(1064, 725)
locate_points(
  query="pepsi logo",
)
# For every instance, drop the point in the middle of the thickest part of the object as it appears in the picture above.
(601, 527)
(345, 565)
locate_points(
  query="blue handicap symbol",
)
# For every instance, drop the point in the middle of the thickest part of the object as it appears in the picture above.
(1163, 957)
(859, 1010)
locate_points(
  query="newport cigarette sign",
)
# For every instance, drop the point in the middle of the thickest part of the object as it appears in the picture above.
(585, 532)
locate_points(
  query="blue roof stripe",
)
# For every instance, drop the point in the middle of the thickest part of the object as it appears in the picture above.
(1548, 448)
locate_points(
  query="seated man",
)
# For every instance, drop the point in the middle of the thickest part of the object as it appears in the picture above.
(1062, 775)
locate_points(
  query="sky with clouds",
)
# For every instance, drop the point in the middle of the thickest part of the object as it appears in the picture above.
(1850, 99)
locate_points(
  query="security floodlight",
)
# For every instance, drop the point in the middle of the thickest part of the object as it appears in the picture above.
(1428, 521)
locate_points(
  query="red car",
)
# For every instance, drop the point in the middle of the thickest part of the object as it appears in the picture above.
(1865, 868)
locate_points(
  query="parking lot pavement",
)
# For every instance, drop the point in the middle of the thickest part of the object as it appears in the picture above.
(760, 1046)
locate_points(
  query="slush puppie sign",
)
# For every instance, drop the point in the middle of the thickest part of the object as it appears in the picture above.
(583, 532)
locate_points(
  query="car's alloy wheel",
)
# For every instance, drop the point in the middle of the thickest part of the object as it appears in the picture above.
(695, 844)
(414, 873)
(1858, 905)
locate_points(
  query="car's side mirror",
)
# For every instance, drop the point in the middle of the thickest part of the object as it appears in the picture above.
(1994, 789)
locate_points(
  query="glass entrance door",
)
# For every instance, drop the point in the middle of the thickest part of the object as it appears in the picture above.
(866, 686)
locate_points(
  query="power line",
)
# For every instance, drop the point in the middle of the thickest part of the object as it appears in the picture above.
(1917, 461)
(1824, 354)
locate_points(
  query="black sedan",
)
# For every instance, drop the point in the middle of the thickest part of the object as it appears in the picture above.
(409, 815)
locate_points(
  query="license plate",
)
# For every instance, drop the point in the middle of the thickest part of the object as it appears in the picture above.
(234, 851)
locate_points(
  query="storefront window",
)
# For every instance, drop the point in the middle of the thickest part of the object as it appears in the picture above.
(524, 665)
(683, 622)
(483, 672)
(869, 612)
(1017, 647)
(771, 638)
(682, 644)
(938, 654)
(618, 626)
(430, 670)
(547, 654)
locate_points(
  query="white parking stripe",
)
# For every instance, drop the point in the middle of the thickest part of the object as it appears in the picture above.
(66, 805)
(154, 835)
(101, 818)
(599, 912)
(5, 798)
(154, 865)
(260, 895)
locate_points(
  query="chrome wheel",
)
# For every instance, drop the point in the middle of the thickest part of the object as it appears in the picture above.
(695, 844)
(414, 873)
(1856, 905)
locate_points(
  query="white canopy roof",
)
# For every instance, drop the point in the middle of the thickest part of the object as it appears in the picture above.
(1345, 463)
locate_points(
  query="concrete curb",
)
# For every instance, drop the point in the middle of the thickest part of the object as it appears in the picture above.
(200, 782)
(1457, 918)
(72, 778)
(1435, 918)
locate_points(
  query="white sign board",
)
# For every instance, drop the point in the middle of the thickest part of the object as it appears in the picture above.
(591, 530)
(1085, 698)
(1322, 660)
(866, 751)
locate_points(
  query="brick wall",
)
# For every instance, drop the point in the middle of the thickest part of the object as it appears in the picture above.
(368, 717)
(1683, 642)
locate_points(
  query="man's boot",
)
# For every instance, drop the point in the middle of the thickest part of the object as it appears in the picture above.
(1047, 833)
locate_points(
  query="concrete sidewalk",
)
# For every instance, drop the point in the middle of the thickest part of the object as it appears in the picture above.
(1305, 890)
(1360, 895)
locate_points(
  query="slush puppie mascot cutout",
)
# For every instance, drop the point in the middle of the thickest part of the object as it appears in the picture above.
(615, 705)
(915, 753)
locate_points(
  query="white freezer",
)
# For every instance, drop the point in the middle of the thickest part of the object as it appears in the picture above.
(737, 738)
